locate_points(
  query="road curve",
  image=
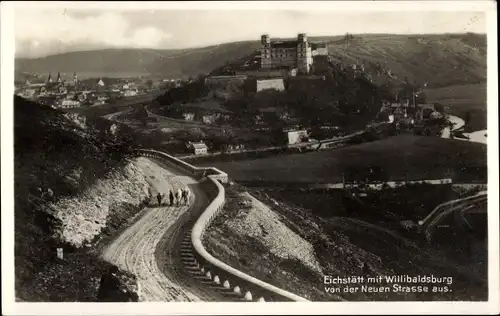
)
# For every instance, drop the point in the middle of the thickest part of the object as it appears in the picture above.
(156, 247)
(461, 206)
(442, 206)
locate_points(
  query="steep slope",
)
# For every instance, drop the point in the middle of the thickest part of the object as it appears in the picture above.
(440, 60)
(72, 187)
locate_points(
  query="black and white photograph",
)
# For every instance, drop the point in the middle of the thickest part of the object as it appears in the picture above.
(250, 152)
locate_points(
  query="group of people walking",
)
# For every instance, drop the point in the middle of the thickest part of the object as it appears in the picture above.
(181, 197)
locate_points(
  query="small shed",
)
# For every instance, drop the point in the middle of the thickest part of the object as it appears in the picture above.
(294, 136)
(198, 148)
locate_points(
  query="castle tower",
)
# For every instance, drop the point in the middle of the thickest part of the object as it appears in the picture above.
(304, 54)
(265, 52)
(265, 40)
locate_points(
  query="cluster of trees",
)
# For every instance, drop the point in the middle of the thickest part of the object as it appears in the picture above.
(342, 97)
(408, 91)
(169, 104)
(188, 92)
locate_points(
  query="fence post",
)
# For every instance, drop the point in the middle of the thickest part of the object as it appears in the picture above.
(60, 253)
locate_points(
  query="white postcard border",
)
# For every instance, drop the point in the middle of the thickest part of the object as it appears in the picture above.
(9, 307)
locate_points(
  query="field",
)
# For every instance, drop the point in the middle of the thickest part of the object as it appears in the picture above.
(414, 157)
(460, 99)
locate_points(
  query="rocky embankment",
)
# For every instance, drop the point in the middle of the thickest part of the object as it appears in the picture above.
(86, 222)
(101, 206)
(74, 190)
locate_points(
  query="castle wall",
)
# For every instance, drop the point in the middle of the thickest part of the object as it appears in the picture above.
(284, 57)
(263, 73)
(224, 81)
(322, 51)
(276, 84)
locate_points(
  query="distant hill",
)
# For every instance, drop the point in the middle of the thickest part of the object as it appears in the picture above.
(440, 60)
(21, 77)
(135, 62)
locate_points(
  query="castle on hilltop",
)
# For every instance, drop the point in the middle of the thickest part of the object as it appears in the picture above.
(295, 54)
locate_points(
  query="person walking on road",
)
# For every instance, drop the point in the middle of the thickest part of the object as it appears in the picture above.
(187, 193)
(171, 196)
(159, 198)
(179, 197)
(183, 196)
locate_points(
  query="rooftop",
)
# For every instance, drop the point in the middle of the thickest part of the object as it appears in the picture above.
(284, 44)
(199, 146)
(319, 45)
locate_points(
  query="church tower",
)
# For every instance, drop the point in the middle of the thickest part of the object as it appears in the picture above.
(49, 79)
(265, 52)
(59, 79)
(75, 81)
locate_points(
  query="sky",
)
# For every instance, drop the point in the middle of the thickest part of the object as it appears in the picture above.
(44, 31)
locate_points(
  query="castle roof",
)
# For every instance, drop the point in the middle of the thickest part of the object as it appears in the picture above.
(318, 45)
(284, 44)
(199, 146)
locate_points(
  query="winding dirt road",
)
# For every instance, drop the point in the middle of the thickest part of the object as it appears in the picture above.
(156, 247)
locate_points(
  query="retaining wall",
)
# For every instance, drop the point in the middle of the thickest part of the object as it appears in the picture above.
(250, 288)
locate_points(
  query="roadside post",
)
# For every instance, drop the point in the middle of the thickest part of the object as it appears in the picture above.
(60, 253)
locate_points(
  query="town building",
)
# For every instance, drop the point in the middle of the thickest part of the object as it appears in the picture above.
(198, 148)
(296, 136)
(130, 92)
(424, 111)
(68, 104)
(188, 116)
(286, 54)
